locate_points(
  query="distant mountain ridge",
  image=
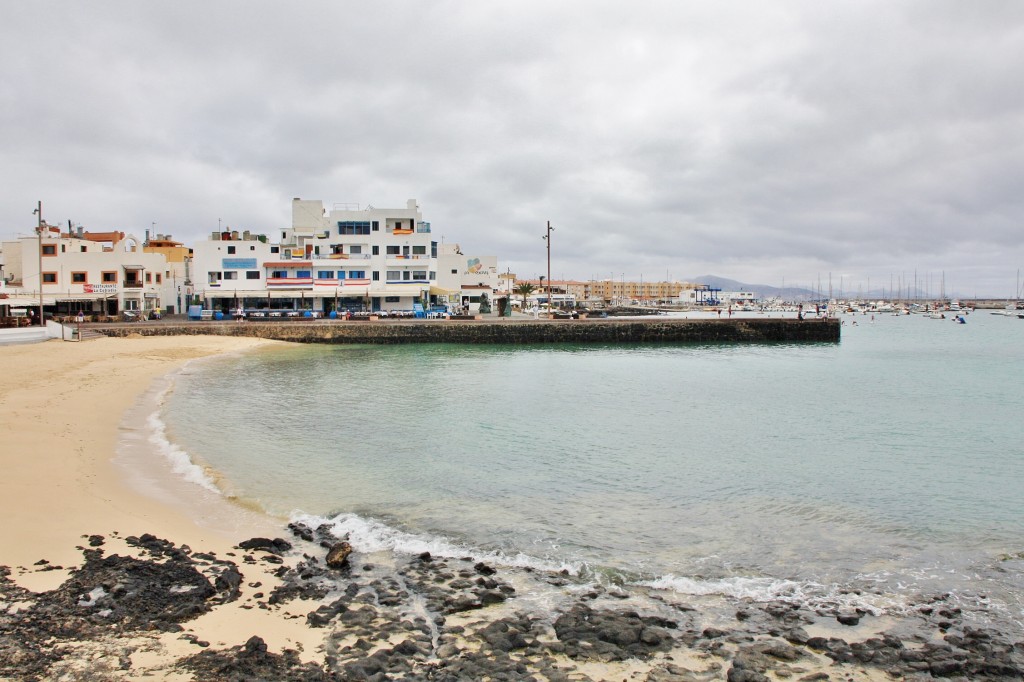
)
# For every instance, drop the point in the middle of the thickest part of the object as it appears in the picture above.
(764, 291)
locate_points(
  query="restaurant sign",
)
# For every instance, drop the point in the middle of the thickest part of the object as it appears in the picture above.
(99, 288)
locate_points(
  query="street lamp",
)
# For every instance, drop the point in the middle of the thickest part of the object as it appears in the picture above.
(547, 238)
(39, 234)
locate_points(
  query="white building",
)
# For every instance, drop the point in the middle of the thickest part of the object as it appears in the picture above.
(466, 279)
(99, 273)
(343, 259)
(739, 298)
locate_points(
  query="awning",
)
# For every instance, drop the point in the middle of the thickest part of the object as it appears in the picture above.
(84, 297)
(22, 302)
(399, 291)
(304, 293)
(441, 291)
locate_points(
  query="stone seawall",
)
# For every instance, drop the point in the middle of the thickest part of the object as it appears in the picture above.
(506, 332)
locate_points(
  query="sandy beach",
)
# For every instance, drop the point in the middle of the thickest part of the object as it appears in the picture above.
(106, 580)
(60, 409)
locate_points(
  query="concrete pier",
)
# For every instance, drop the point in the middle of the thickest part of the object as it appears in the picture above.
(603, 331)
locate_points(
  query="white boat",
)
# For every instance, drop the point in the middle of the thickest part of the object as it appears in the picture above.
(1011, 310)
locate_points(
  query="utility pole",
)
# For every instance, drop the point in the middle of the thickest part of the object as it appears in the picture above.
(39, 235)
(547, 238)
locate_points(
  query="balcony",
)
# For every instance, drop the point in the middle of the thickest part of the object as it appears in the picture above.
(298, 282)
(341, 256)
(131, 285)
(397, 260)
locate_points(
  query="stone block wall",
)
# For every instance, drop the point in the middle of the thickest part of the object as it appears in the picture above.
(507, 331)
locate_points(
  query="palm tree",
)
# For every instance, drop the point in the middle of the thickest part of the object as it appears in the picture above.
(524, 289)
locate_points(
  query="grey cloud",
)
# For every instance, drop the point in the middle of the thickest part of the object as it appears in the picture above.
(753, 141)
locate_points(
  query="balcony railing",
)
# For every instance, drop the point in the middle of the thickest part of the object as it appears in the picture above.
(404, 260)
(340, 256)
(132, 285)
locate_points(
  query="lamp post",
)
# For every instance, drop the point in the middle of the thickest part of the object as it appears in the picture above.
(39, 235)
(547, 238)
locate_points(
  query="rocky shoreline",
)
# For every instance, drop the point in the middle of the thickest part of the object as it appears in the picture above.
(432, 618)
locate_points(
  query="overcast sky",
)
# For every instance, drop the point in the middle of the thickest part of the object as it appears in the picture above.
(765, 142)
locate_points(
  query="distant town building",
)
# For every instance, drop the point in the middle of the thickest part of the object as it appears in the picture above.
(98, 273)
(610, 291)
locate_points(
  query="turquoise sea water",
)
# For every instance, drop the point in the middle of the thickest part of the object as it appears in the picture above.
(890, 464)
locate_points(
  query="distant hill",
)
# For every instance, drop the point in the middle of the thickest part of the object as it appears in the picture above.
(798, 293)
(760, 290)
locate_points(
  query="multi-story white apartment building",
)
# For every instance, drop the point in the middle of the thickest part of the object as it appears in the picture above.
(343, 259)
(102, 273)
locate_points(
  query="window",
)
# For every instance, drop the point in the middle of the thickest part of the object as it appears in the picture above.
(79, 278)
(230, 274)
(49, 278)
(405, 275)
(376, 275)
(419, 251)
(357, 274)
(355, 249)
(252, 248)
(49, 249)
(149, 277)
(252, 274)
(82, 248)
(353, 227)
(376, 226)
(325, 274)
(376, 250)
(278, 274)
(341, 274)
(433, 275)
(275, 249)
(159, 278)
(109, 277)
(393, 250)
(392, 299)
(419, 274)
(231, 249)
(214, 278)
(63, 248)
(394, 274)
(455, 271)
(303, 273)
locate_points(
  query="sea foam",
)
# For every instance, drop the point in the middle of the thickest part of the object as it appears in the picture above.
(370, 535)
(180, 461)
(766, 589)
